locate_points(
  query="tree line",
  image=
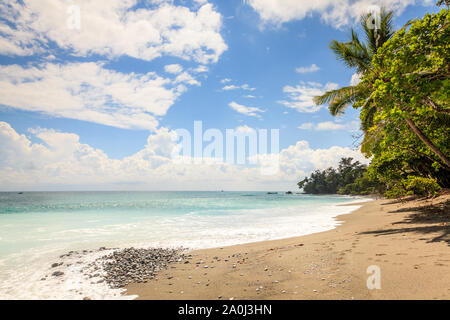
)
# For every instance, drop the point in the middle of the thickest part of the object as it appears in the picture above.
(354, 178)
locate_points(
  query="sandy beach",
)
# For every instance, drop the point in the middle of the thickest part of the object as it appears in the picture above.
(408, 241)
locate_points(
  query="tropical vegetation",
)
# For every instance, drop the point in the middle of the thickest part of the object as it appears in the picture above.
(403, 101)
(348, 178)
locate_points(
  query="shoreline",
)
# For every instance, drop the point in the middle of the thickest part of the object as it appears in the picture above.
(326, 265)
(82, 266)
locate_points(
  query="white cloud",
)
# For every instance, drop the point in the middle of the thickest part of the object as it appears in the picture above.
(356, 78)
(89, 92)
(233, 87)
(249, 111)
(13, 47)
(330, 126)
(173, 68)
(301, 158)
(201, 69)
(61, 161)
(247, 87)
(301, 96)
(186, 78)
(230, 87)
(306, 126)
(225, 80)
(311, 68)
(159, 29)
(244, 129)
(335, 13)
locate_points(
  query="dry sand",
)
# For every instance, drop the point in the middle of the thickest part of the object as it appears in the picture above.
(408, 241)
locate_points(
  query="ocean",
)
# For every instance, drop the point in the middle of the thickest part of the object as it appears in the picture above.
(37, 227)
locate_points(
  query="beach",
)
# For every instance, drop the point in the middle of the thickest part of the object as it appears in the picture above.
(404, 245)
(224, 150)
(53, 244)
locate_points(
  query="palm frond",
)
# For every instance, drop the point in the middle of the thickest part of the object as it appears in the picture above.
(367, 117)
(339, 99)
(352, 54)
(376, 34)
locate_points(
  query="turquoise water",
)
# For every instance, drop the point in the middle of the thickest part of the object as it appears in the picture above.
(37, 227)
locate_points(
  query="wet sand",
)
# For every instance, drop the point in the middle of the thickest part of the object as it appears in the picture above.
(408, 241)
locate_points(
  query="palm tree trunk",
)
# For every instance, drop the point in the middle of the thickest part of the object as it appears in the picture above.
(427, 141)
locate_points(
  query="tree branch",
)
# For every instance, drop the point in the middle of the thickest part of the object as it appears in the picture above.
(427, 141)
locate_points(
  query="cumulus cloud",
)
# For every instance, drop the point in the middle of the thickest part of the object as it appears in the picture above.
(187, 78)
(301, 158)
(173, 68)
(89, 92)
(330, 126)
(311, 68)
(335, 13)
(59, 159)
(160, 28)
(248, 111)
(301, 96)
(86, 28)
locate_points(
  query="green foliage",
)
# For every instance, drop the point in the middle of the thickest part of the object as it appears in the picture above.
(403, 98)
(353, 178)
(364, 185)
(357, 54)
(349, 178)
(395, 191)
(422, 186)
(410, 82)
(410, 79)
(414, 186)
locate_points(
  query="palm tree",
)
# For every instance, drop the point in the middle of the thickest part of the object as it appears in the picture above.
(356, 54)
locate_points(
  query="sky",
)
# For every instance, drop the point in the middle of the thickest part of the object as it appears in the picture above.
(92, 92)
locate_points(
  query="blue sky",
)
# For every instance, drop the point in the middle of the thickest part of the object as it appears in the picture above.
(162, 65)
